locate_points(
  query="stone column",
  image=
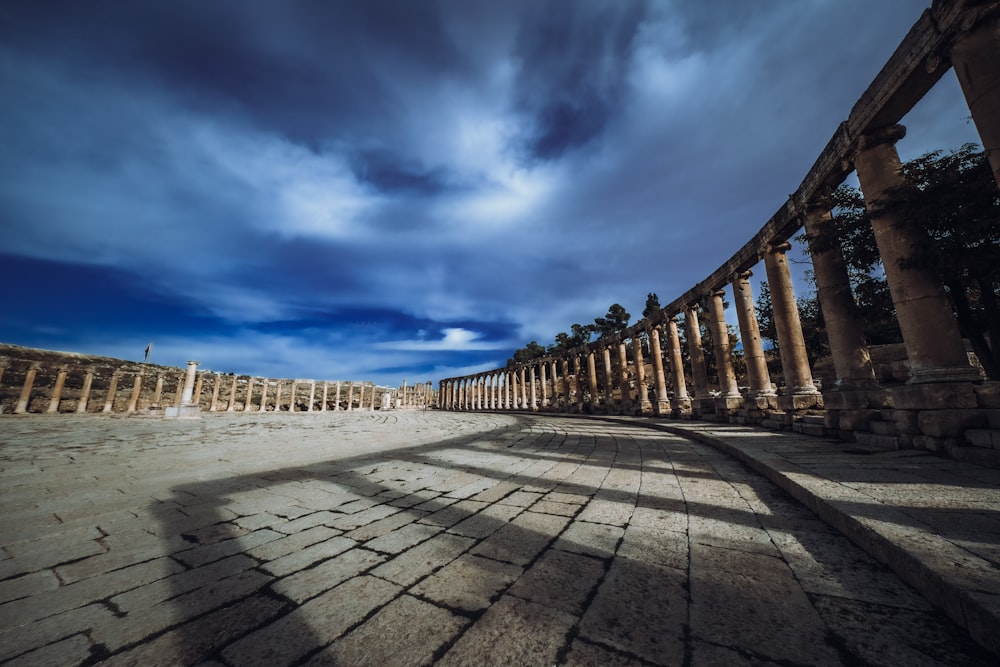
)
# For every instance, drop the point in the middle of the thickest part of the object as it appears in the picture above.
(592, 379)
(88, 380)
(720, 340)
(179, 391)
(312, 395)
(336, 398)
(681, 404)
(974, 57)
(247, 403)
(626, 392)
(277, 395)
(361, 396)
(294, 392)
(564, 384)
(699, 373)
(933, 344)
(231, 404)
(791, 344)
(216, 381)
(57, 390)
(188, 395)
(197, 390)
(543, 380)
(25, 398)
(753, 348)
(264, 382)
(133, 400)
(326, 386)
(577, 373)
(608, 381)
(350, 396)
(533, 405)
(662, 400)
(523, 386)
(109, 401)
(844, 328)
(641, 390)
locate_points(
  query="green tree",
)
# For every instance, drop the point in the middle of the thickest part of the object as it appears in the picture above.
(614, 322)
(652, 305)
(530, 351)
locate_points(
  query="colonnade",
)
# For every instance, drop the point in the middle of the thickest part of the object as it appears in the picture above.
(135, 388)
(612, 375)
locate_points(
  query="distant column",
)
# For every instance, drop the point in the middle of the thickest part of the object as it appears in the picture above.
(264, 382)
(608, 381)
(57, 390)
(720, 340)
(543, 380)
(247, 403)
(88, 379)
(277, 395)
(326, 386)
(626, 391)
(337, 398)
(25, 398)
(662, 400)
(312, 395)
(844, 329)
(791, 344)
(699, 373)
(361, 396)
(534, 395)
(179, 391)
(231, 405)
(641, 390)
(197, 390)
(933, 343)
(577, 374)
(216, 382)
(753, 348)
(133, 400)
(294, 394)
(109, 402)
(524, 388)
(592, 379)
(563, 394)
(350, 396)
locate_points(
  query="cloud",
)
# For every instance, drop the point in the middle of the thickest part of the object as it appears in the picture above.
(454, 340)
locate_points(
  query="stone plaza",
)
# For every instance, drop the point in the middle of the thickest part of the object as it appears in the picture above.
(429, 537)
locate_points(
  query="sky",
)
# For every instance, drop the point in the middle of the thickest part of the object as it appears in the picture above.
(395, 190)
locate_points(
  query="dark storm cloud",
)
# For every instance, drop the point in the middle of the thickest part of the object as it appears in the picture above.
(407, 184)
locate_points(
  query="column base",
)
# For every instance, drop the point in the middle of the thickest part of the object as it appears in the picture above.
(645, 408)
(681, 408)
(662, 408)
(800, 401)
(962, 374)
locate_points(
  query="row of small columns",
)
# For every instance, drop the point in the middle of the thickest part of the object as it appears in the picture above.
(189, 389)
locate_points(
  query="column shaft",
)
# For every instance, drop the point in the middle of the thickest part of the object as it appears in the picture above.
(88, 380)
(974, 56)
(753, 348)
(57, 390)
(25, 398)
(699, 372)
(656, 351)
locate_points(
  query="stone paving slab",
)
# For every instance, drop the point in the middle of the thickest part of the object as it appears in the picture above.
(434, 538)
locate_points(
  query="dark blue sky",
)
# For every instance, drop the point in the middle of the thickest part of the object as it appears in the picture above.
(385, 190)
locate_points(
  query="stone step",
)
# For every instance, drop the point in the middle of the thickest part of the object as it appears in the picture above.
(987, 438)
(875, 440)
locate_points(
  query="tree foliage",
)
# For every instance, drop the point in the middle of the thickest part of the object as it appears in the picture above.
(613, 323)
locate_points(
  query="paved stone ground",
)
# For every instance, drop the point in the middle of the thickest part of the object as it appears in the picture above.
(417, 538)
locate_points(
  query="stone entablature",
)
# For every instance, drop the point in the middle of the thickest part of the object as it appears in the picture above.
(945, 404)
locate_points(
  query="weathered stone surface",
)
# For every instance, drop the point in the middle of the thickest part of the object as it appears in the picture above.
(468, 583)
(559, 580)
(949, 423)
(956, 395)
(307, 584)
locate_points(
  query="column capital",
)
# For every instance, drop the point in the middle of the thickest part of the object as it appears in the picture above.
(889, 134)
(776, 247)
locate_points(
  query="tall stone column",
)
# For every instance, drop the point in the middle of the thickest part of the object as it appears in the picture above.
(231, 403)
(264, 382)
(655, 351)
(179, 390)
(577, 377)
(791, 344)
(543, 382)
(699, 373)
(720, 341)
(109, 401)
(57, 390)
(336, 399)
(564, 401)
(641, 390)
(592, 379)
(933, 343)
(312, 395)
(88, 380)
(626, 392)
(534, 395)
(197, 390)
(844, 328)
(326, 387)
(277, 395)
(361, 396)
(133, 400)
(350, 396)
(216, 381)
(753, 348)
(25, 398)
(247, 404)
(293, 392)
(974, 57)
(608, 379)
(681, 404)
(524, 388)
(189, 377)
